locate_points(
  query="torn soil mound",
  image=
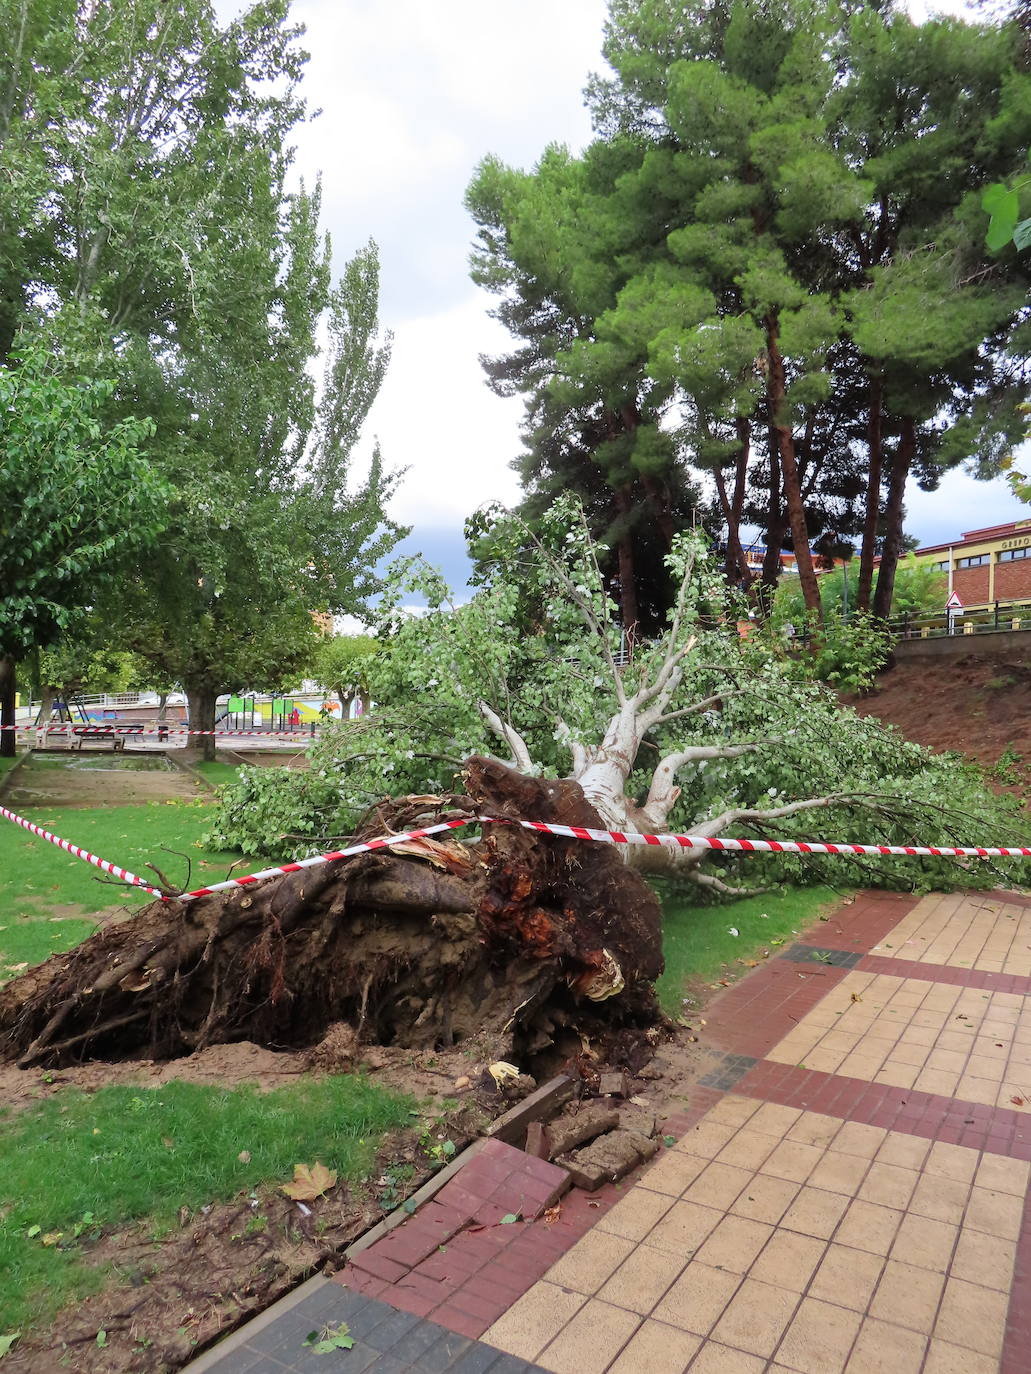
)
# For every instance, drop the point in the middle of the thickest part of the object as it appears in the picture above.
(428, 945)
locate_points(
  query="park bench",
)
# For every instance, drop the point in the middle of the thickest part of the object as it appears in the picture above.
(116, 734)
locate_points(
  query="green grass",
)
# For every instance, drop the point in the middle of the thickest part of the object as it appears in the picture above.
(698, 944)
(216, 773)
(30, 942)
(85, 1162)
(35, 874)
(39, 881)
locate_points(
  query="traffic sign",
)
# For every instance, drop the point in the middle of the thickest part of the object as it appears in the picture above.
(953, 603)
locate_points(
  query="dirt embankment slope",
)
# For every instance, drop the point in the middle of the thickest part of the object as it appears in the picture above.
(980, 707)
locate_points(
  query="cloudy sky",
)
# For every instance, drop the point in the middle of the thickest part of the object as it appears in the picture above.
(412, 96)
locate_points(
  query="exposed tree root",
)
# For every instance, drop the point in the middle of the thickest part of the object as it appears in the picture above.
(433, 945)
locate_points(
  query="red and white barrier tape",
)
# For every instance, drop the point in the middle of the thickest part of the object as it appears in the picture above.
(98, 729)
(113, 869)
(581, 832)
(573, 832)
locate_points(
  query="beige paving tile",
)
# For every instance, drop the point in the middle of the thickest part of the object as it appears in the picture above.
(812, 1128)
(908, 1151)
(999, 1214)
(819, 1338)
(952, 1061)
(673, 1173)
(867, 1226)
(635, 1214)
(788, 1260)
(721, 1359)
(734, 1244)
(765, 1198)
(884, 1349)
(980, 1066)
(984, 1259)
(847, 1277)
(839, 1173)
(936, 1081)
(706, 1139)
(756, 1318)
(944, 1199)
(925, 1242)
(815, 1212)
(773, 1119)
(889, 1184)
(856, 1139)
(982, 1090)
(657, 1348)
(1003, 1175)
(972, 1316)
(533, 1320)
(908, 1296)
(951, 1161)
(697, 1299)
(683, 1229)
(897, 1075)
(943, 1358)
(733, 1110)
(590, 1261)
(792, 1160)
(718, 1185)
(591, 1341)
(748, 1149)
(642, 1279)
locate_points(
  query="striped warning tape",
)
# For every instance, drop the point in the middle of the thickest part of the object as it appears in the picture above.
(574, 832)
(113, 869)
(101, 728)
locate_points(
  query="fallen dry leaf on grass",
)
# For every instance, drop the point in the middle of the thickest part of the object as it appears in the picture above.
(309, 1182)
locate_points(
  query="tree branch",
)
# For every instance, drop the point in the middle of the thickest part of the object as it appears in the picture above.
(511, 736)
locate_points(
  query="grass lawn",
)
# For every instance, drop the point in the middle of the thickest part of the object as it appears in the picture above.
(216, 772)
(39, 882)
(80, 1163)
(698, 943)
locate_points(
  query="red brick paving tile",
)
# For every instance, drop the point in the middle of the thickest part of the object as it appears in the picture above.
(409, 1301)
(944, 973)
(378, 1265)
(359, 1282)
(456, 1320)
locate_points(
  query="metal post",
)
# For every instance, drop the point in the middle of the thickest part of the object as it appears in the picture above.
(996, 615)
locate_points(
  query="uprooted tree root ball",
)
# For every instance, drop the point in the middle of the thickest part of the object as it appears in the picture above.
(427, 944)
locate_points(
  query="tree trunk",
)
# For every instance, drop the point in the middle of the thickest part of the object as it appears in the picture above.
(873, 498)
(424, 948)
(201, 701)
(629, 606)
(894, 513)
(776, 523)
(776, 390)
(736, 565)
(162, 705)
(8, 738)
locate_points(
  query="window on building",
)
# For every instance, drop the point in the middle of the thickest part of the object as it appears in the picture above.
(940, 567)
(1011, 555)
(975, 562)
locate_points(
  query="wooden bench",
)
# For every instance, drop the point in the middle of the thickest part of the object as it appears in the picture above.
(116, 734)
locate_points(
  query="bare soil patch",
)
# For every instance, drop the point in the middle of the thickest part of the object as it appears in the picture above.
(980, 707)
(82, 780)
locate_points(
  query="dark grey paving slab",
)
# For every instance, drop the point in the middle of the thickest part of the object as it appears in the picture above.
(386, 1341)
(836, 958)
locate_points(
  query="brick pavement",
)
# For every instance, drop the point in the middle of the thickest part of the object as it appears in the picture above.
(850, 1194)
(847, 1194)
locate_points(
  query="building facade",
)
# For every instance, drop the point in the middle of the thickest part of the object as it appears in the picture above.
(985, 566)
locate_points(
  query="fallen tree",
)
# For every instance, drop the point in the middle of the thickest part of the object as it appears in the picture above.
(701, 731)
(429, 945)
